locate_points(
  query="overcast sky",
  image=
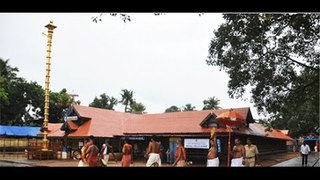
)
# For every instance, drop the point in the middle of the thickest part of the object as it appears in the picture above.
(160, 58)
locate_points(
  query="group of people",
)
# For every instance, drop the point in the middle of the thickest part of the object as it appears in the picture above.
(242, 155)
(246, 155)
(154, 150)
(153, 154)
(92, 157)
(89, 153)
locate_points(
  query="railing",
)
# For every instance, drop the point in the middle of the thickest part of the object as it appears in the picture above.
(11, 144)
(34, 150)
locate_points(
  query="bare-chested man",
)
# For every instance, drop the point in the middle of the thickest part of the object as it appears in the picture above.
(213, 160)
(237, 154)
(153, 152)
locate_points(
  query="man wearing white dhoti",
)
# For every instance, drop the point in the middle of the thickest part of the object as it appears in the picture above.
(153, 153)
(237, 154)
(213, 160)
(105, 151)
(237, 162)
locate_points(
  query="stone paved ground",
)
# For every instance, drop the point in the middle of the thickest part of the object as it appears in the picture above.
(313, 161)
(266, 161)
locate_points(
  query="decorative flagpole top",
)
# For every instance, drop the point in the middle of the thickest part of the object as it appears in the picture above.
(50, 26)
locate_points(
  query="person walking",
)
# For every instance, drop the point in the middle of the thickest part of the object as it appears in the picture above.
(181, 156)
(153, 153)
(237, 153)
(126, 154)
(251, 154)
(92, 153)
(304, 151)
(84, 148)
(105, 151)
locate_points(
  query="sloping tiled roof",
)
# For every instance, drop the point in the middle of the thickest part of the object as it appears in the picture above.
(107, 123)
(259, 130)
(277, 134)
(173, 122)
(54, 130)
(286, 132)
(256, 129)
(83, 131)
(72, 125)
(102, 123)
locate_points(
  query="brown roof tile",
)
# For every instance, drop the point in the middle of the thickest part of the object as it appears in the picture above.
(259, 130)
(82, 131)
(286, 132)
(256, 129)
(54, 130)
(174, 122)
(107, 123)
(103, 122)
(72, 125)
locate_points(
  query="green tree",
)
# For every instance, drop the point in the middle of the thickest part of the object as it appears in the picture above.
(22, 99)
(104, 102)
(278, 56)
(22, 102)
(17, 96)
(137, 108)
(34, 105)
(126, 99)
(188, 107)
(173, 109)
(59, 103)
(112, 102)
(211, 103)
(7, 74)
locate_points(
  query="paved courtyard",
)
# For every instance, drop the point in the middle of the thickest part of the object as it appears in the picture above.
(277, 160)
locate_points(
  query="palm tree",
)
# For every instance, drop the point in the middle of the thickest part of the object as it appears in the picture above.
(7, 72)
(211, 103)
(127, 98)
(173, 109)
(104, 102)
(137, 108)
(188, 107)
(112, 102)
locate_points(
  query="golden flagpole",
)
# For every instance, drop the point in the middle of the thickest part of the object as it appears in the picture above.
(50, 27)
